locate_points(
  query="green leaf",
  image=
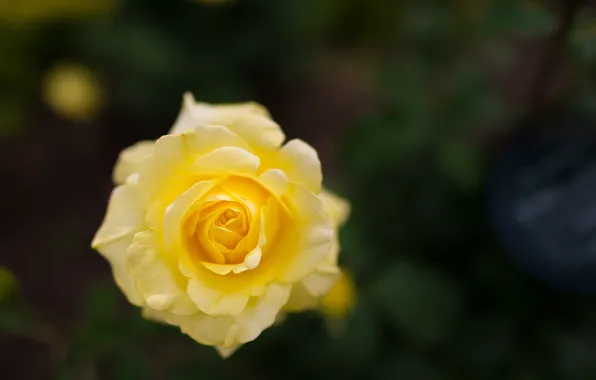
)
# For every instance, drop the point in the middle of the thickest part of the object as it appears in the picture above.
(583, 37)
(102, 302)
(412, 367)
(461, 162)
(422, 303)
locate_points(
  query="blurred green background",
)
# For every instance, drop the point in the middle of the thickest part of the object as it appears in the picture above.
(407, 103)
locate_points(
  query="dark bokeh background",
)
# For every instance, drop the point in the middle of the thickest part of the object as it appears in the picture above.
(407, 102)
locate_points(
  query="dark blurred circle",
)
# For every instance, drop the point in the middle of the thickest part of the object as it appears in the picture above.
(542, 201)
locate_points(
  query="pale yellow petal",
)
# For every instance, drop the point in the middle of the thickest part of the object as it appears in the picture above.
(231, 331)
(300, 299)
(275, 181)
(338, 208)
(153, 315)
(186, 120)
(306, 293)
(227, 161)
(205, 138)
(321, 280)
(203, 328)
(123, 219)
(124, 216)
(193, 113)
(130, 160)
(163, 174)
(301, 163)
(316, 235)
(161, 288)
(226, 352)
(257, 318)
(115, 252)
(214, 302)
(258, 131)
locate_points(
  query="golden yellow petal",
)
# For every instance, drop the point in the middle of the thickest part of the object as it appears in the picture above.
(176, 211)
(251, 261)
(340, 300)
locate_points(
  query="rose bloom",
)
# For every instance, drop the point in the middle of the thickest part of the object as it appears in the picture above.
(218, 228)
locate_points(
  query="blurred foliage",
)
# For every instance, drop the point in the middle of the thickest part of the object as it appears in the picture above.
(437, 297)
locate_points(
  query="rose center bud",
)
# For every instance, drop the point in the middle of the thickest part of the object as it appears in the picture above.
(218, 232)
(228, 229)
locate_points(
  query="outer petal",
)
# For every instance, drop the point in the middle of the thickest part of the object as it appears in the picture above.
(320, 281)
(340, 300)
(251, 121)
(214, 303)
(306, 293)
(301, 163)
(300, 299)
(230, 331)
(337, 208)
(259, 131)
(316, 237)
(226, 352)
(228, 160)
(275, 181)
(161, 288)
(203, 139)
(130, 159)
(251, 323)
(164, 173)
(123, 219)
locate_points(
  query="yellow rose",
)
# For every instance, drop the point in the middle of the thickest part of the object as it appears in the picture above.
(212, 227)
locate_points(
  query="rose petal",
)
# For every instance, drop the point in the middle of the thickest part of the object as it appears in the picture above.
(227, 160)
(162, 287)
(215, 303)
(275, 181)
(193, 113)
(301, 163)
(130, 160)
(338, 208)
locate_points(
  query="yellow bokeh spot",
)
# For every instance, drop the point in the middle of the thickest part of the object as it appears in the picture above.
(73, 92)
(341, 298)
(29, 11)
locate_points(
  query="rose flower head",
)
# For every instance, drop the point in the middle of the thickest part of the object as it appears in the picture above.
(217, 225)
